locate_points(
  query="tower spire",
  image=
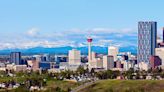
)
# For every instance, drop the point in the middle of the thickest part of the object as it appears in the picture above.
(89, 40)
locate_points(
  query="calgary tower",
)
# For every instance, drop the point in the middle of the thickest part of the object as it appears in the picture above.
(89, 40)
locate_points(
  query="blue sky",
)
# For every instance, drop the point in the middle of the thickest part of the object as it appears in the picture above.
(55, 23)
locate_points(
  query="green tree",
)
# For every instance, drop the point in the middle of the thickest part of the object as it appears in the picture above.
(81, 70)
(129, 73)
(92, 72)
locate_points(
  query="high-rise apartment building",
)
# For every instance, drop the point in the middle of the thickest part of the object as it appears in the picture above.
(15, 57)
(147, 40)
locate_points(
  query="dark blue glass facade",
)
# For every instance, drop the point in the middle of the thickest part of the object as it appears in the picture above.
(15, 57)
(45, 65)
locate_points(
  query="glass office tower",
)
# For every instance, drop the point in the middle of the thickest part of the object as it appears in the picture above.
(15, 57)
(147, 35)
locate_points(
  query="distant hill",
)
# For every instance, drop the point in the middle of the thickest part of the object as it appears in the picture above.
(64, 50)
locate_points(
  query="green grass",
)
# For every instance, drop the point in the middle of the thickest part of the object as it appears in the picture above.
(64, 85)
(126, 86)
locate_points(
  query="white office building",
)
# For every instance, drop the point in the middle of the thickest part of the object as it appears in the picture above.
(113, 51)
(74, 57)
(108, 62)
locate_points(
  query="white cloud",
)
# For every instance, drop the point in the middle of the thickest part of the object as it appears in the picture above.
(74, 37)
(33, 32)
(112, 31)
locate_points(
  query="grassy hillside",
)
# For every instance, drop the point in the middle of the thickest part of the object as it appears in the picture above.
(64, 85)
(126, 86)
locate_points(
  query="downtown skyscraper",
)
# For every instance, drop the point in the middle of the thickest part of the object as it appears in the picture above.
(15, 57)
(147, 36)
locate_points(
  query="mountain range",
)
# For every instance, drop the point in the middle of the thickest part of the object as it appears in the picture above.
(64, 50)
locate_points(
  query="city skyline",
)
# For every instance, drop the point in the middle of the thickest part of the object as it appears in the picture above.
(81, 46)
(27, 24)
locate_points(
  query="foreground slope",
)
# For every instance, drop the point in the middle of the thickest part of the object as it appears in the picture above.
(126, 86)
